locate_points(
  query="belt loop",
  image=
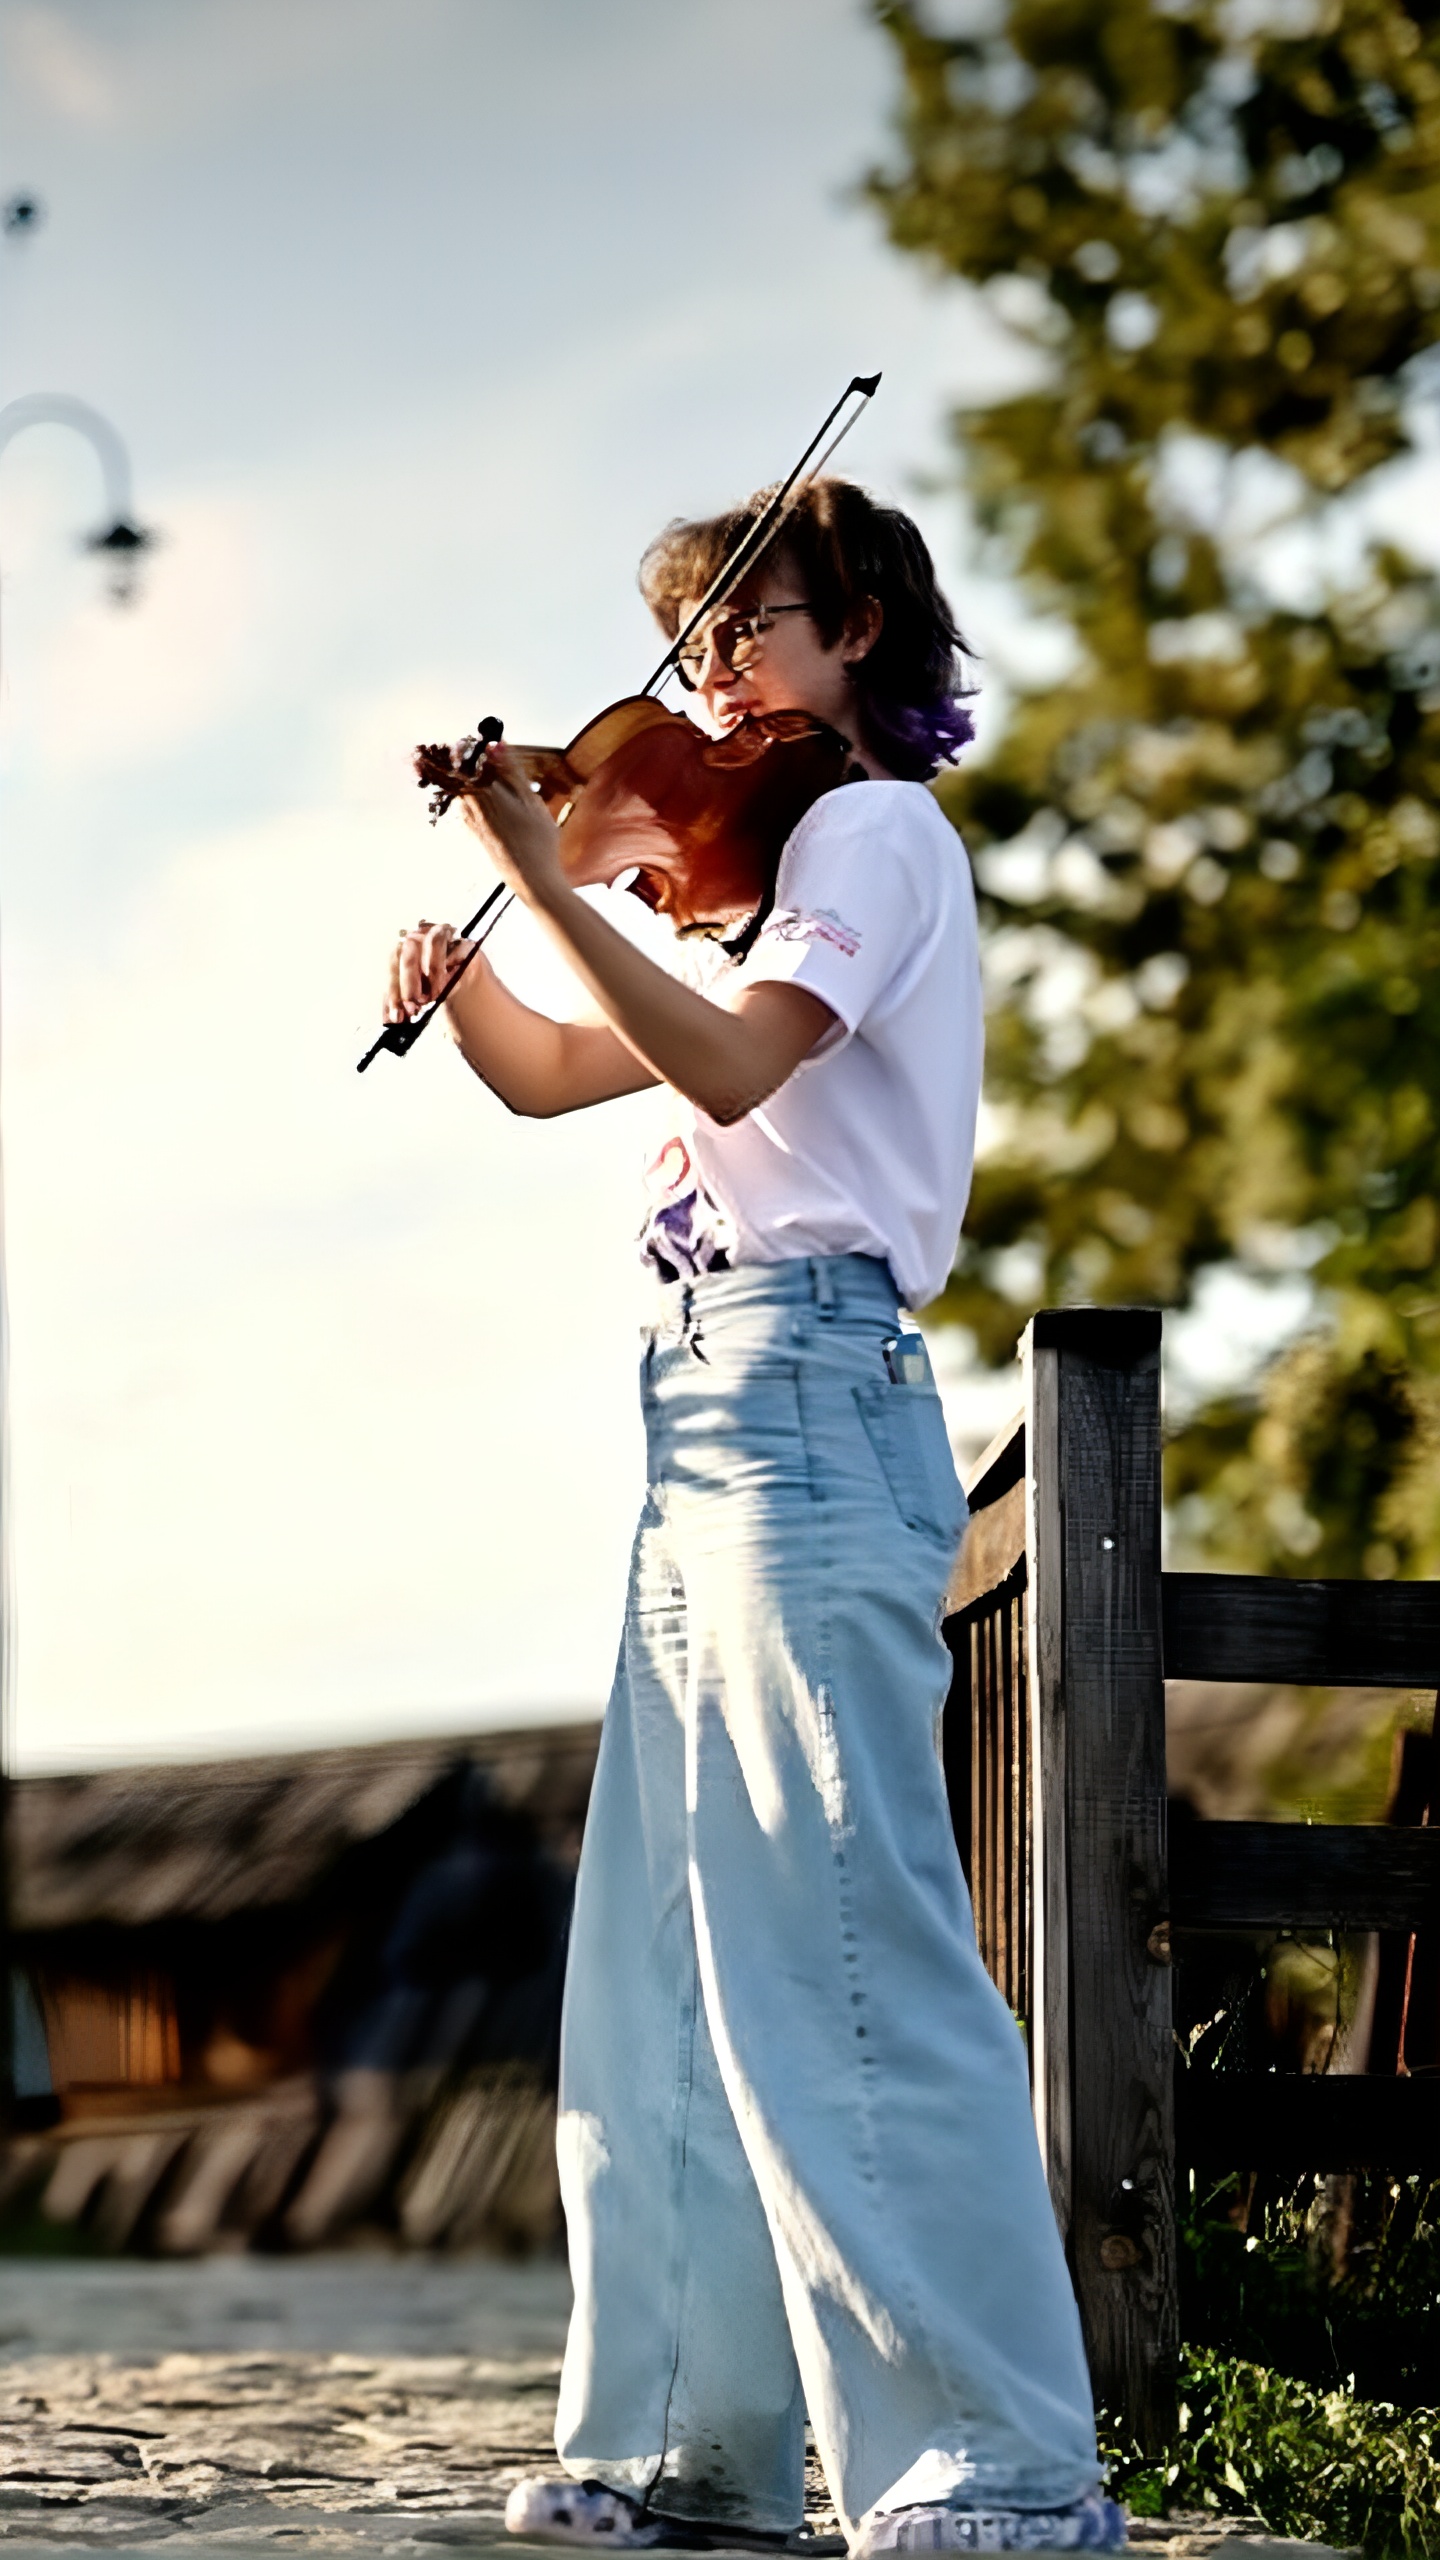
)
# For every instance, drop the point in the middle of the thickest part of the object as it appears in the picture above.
(690, 1326)
(823, 1279)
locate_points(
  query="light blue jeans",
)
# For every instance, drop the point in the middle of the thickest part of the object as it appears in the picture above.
(797, 2155)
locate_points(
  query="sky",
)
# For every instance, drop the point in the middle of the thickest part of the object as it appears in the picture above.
(418, 318)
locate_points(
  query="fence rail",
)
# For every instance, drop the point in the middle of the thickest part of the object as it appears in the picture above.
(1295, 1875)
(1293, 2121)
(1340, 1635)
(1063, 1629)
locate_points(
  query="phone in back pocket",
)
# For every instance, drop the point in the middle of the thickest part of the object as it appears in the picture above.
(907, 1362)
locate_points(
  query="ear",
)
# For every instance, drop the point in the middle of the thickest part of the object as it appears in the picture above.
(863, 630)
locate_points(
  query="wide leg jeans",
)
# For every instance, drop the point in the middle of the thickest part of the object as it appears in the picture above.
(797, 2155)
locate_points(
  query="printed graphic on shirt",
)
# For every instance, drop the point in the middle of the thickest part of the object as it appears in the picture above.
(685, 1231)
(819, 924)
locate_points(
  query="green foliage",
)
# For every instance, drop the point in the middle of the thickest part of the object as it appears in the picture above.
(1312, 2331)
(1313, 2464)
(1333, 2282)
(1209, 860)
(1339, 1469)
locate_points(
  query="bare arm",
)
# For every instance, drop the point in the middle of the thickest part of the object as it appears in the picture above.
(727, 1059)
(726, 1062)
(539, 1068)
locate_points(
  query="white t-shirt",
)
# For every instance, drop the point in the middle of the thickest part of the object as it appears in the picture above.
(868, 1146)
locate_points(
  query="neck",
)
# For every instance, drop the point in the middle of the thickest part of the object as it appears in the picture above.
(849, 726)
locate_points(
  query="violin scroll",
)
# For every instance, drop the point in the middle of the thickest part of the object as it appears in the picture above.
(444, 771)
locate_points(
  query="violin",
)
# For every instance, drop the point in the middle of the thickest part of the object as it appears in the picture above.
(698, 822)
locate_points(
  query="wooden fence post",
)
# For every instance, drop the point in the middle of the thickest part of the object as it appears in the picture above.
(1101, 2045)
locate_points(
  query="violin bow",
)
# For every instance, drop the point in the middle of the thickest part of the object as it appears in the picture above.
(400, 1037)
(752, 546)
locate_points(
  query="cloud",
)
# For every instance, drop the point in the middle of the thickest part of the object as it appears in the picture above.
(96, 688)
(294, 1352)
(63, 68)
(158, 70)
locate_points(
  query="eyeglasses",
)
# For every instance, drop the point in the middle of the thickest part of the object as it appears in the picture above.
(736, 639)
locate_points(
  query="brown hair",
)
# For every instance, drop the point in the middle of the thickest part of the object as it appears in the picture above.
(846, 549)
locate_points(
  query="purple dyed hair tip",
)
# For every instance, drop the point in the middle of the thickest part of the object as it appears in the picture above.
(932, 734)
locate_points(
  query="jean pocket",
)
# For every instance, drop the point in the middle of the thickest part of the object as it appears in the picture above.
(737, 1437)
(906, 1429)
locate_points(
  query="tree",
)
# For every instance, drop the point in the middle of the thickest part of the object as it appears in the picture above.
(1209, 860)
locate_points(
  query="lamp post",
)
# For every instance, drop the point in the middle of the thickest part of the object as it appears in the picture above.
(120, 538)
(121, 541)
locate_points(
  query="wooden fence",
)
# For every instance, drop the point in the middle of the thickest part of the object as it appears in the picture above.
(1063, 1630)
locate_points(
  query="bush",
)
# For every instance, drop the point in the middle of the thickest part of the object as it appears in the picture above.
(1311, 2314)
(1335, 2282)
(1311, 2463)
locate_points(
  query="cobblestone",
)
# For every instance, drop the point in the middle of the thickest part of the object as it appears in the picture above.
(355, 2405)
(291, 2405)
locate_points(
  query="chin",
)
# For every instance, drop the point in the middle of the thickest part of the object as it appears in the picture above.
(714, 723)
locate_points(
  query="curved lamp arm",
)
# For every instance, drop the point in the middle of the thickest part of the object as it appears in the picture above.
(120, 537)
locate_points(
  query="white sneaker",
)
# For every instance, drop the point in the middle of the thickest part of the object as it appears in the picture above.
(1093, 2523)
(590, 2516)
(580, 2512)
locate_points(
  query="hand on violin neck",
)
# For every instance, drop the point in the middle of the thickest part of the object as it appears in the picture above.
(515, 828)
(422, 965)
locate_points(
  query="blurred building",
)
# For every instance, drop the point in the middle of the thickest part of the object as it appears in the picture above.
(282, 2002)
(273, 2002)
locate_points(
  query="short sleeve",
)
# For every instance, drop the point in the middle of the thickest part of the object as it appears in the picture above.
(851, 902)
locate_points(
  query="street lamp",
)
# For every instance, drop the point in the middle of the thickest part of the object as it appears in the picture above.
(121, 540)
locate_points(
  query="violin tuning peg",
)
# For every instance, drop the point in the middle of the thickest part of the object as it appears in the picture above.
(490, 732)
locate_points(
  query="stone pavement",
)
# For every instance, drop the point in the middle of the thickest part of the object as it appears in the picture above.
(347, 2405)
(304, 2404)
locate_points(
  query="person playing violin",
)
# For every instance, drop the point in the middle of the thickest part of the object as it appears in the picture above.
(797, 2157)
